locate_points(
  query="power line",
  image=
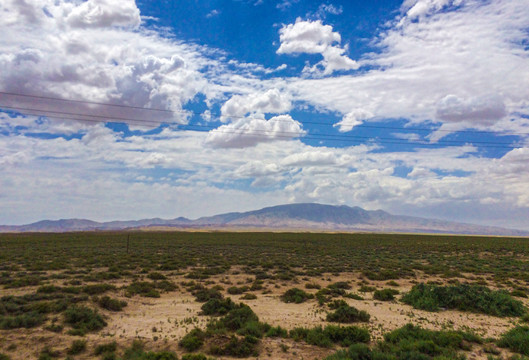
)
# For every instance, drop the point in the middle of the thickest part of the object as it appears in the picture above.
(255, 132)
(243, 117)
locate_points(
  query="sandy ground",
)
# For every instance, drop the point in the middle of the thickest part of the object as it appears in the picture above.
(162, 322)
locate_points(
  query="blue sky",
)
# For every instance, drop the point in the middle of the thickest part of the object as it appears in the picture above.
(127, 110)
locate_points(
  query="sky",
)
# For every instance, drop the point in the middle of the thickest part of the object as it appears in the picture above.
(140, 109)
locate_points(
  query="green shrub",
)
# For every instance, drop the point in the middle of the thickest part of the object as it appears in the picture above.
(156, 276)
(473, 298)
(385, 294)
(238, 317)
(295, 295)
(254, 328)
(353, 296)
(4, 357)
(312, 286)
(326, 337)
(142, 288)
(237, 347)
(277, 331)
(348, 314)
(108, 303)
(77, 347)
(106, 348)
(193, 340)
(234, 290)
(194, 357)
(340, 285)
(366, 288)
(516, 339)
(203, 294)
(216, 307)
(249, 296)
(83, 319)
(27, 320)
(165, 285)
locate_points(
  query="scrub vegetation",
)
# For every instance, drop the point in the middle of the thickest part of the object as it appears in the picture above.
(266, 295)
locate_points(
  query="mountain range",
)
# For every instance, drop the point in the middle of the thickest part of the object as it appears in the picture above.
(298, 217)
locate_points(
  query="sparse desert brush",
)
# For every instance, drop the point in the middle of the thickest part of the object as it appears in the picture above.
(156, 276)
(237, 347)
(516, 339)
(143, 288)
(249, 296)
(111, 304)
(83, 319)
(218, 307)
(385, 294)
(463, 297)
(193, 340)
(106, 348)
(330, 335)
(234, 290)
(295, 295)
(347, 314)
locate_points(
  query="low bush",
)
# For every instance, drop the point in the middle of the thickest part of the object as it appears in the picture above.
(348, 314)
(411, 342)
(385, 294)
(142, 288)
(194, 357)
(462, 297)
(237, 347)
(108, 303)
(193, 340)
(295, 295)
(277, 331)
(249, 296)
(83, 319)
(204, 294)
(77, 347)
(330, 335)
(156, 276)
(27, 320)
(234, 290)
(516, 339)
(106, 348)
(136, 352)
(312, 286)
(218, 307)
(238, 317)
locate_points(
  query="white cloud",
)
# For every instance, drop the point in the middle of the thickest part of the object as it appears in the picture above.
(271, 101)
(95, 51)
(104, 13)
(471, 51)
(353, 118)
(312, 37)
(247, 132)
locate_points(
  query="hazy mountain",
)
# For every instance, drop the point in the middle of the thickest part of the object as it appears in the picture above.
(285, 217)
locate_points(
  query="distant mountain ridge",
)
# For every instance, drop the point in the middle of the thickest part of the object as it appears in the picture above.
(307, 216)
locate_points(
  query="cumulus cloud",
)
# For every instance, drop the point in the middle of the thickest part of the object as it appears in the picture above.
(481, 110)
(104, 13)
(271, 101)
(457, 62)
(249, 132)
(312, 37)
(352, 119)
(83, 51)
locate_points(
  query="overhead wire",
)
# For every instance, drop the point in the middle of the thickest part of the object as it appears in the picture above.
(186, 111)
(76, 116)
